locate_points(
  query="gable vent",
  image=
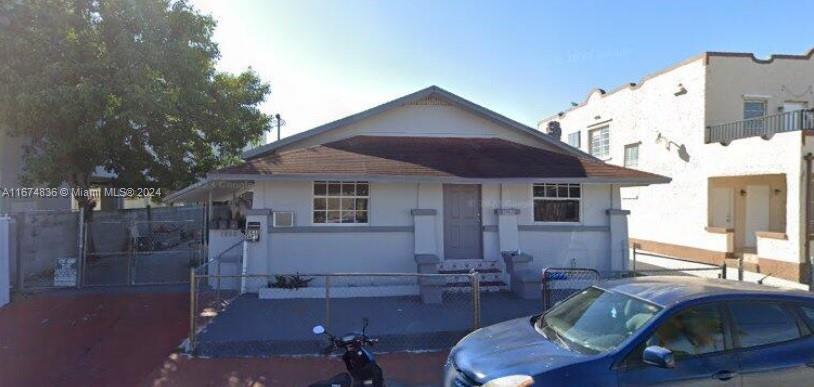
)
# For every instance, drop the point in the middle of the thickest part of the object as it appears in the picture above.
(432, 99)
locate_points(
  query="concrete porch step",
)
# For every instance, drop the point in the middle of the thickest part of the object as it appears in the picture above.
(468, 264)
(485, 286)
(464, 271)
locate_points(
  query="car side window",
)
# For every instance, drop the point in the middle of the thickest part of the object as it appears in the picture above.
(761, 323)
(694, 331)
(808, 314)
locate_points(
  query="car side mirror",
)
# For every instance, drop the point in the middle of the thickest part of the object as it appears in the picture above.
(318, 330)
(659, 357)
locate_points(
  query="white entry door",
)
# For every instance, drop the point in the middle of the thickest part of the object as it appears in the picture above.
(757, 212)
(722, 207)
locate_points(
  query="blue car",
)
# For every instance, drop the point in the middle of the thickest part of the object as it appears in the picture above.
(648, 331)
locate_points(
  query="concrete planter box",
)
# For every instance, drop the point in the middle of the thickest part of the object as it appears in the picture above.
(338, 292)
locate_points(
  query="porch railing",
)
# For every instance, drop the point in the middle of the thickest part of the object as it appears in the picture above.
(764, 127)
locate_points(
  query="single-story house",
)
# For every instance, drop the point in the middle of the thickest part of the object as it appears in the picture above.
(428, 182)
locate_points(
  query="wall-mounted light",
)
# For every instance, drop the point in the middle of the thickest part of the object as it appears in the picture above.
(681, 90)
(662, 139)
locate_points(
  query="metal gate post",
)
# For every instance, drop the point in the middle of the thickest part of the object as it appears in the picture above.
(475, 300)
(130, 260)
(328, 302)
(192, 308)
(544, 289)
(80, 272)
(217, 280)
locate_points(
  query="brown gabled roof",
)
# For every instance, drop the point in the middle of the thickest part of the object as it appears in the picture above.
(442, 157)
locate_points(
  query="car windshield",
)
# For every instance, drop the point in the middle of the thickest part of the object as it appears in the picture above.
(595, 320)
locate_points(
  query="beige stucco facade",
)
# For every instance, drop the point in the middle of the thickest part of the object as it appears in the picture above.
(666, 114)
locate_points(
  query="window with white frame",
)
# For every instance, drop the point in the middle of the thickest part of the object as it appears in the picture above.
(573, 139)
(632, 155)
(341, 202)
(599, 142)
(557, 202)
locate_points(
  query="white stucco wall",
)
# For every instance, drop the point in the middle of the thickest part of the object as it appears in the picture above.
(386, 244)
(676, 213)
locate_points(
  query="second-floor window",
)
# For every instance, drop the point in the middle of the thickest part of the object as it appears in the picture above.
(632, 155)
(754, 108)
(573, 139)
(599, 142)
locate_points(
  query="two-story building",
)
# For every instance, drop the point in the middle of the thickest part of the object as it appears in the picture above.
(734, 132)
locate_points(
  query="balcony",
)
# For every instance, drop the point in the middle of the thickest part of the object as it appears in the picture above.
(764, 127)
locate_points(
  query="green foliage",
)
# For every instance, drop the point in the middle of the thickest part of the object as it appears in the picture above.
(295, 281)
(130, 86)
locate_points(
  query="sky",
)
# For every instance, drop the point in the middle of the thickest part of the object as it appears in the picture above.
(526, 60)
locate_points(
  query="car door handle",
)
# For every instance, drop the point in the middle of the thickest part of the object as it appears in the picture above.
(724, 375)
(810, 364)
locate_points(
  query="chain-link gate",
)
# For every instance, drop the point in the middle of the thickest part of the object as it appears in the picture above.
(560, 283)
(123, 248)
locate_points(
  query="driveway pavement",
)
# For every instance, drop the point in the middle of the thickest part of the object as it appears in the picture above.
(251, 327)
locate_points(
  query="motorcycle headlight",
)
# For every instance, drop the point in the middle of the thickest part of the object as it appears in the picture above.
(511, 381)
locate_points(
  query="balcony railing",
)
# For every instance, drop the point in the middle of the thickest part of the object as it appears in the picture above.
(764, 127)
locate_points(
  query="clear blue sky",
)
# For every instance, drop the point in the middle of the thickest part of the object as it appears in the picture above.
(328, 59)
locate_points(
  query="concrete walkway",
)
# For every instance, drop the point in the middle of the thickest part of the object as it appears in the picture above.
(253, 327)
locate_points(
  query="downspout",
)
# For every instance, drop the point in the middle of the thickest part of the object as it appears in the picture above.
(806, 241)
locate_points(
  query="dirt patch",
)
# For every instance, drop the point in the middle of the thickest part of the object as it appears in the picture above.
(400, 369)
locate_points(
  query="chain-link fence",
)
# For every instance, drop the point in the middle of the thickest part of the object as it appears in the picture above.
(406, 311)
(67, 248)
(560, 283)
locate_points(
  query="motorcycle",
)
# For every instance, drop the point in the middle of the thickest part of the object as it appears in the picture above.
(359, 361)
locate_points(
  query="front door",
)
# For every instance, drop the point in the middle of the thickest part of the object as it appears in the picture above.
(757, 212)
(722, 207)
(462, 223)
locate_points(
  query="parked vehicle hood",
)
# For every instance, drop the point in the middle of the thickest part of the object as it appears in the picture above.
(509, 348)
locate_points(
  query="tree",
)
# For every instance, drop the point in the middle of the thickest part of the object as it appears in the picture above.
(127, 86)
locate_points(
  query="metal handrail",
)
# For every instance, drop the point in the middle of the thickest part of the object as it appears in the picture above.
(219, 256)
(764, 127)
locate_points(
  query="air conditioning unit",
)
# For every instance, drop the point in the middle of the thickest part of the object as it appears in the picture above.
(283, 219)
